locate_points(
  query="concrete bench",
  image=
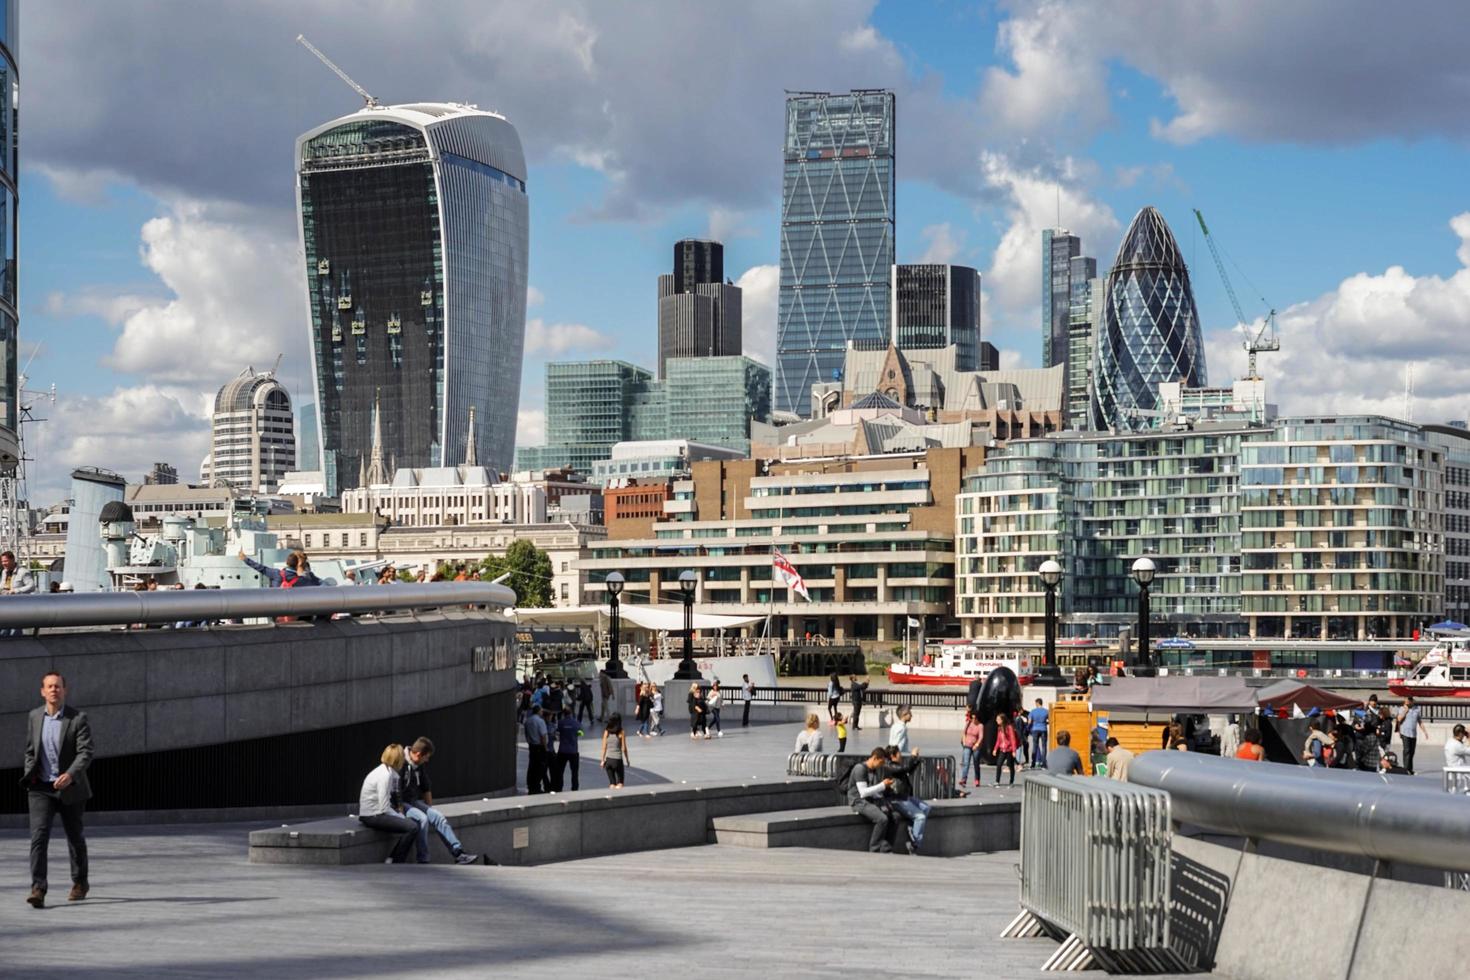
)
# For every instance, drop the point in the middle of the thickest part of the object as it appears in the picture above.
(955, 827)
(541, 829)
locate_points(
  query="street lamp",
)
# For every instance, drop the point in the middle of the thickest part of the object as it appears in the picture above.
(687, 670)
(1143, 573)
(614, 583)
(1051, 576)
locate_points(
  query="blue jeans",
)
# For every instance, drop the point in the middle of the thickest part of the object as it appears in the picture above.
(917, 813)
(643, 728)
(1038, 749)
(967, 759)
(426, 817)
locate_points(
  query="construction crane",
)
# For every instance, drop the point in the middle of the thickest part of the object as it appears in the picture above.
(1262, 340)
(366, 95)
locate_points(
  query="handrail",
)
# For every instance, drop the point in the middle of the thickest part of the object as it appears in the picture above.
(1391, 818)
(205, 605)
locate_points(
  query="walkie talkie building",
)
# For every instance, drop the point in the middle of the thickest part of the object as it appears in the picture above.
(415, 228)
(1150, 330)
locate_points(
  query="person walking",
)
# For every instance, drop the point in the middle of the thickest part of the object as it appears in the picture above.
(658, 710)
(898, 733)
(378, 806)
(615, 751)
(858, 690)
(1006, 744)
(809, 739)
(538, 757)
(1407, 724)
(712, 703)
(605, 688)
(697, 722)
(54, 774)
(969, 745)
(1040, 717)
(584, 700)
(747, 687)
(834, 695)
(1384, 730)
(1022, 723)
(643, 712)
(568, 729)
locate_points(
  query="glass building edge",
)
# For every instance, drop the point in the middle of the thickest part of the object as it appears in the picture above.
(9, 249)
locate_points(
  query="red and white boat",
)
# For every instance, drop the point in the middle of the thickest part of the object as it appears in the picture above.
(1443, 673)
(958, 662)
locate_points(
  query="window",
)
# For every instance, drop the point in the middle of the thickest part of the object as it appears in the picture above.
(362, 539)
(308, 540)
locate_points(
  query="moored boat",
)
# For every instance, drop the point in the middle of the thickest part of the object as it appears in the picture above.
(957, 663)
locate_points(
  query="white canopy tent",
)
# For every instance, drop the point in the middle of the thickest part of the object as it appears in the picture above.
(655, 618)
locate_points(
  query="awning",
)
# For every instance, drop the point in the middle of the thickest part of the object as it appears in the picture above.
(1290, 694)
(656, 618)
(1175, 695)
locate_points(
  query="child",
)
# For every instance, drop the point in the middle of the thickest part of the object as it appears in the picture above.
(841, 722)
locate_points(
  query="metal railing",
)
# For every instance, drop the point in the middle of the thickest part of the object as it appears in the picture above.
(1095, 867)
(213, 605)
(1457, 781)
(933, 780)
(876, 697)
(1389, 818)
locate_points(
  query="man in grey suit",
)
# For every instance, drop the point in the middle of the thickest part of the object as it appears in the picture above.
(58, 752)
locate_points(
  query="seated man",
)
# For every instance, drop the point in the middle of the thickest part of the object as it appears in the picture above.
(865, 790)
(1065, 759)
(901, 772)
(418, 804)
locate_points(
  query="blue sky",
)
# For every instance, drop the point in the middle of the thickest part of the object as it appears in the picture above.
(158, 245)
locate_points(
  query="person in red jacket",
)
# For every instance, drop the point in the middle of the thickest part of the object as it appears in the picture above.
(1006, 744)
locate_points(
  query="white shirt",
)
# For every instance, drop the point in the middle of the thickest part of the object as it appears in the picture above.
(898, 735)
(809, 740)
(1456, 754)
(377, 792)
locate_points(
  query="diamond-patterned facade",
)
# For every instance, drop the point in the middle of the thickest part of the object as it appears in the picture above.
(836, 236)
(1150, 328)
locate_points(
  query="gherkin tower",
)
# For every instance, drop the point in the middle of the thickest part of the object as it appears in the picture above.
(1150, 329)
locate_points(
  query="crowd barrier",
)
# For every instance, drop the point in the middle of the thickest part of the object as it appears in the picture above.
(1095, 867)
(933, 780)
(1457, 780)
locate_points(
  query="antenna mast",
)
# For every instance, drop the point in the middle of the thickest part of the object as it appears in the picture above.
(366, 95)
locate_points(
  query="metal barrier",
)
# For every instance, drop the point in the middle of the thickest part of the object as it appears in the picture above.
(876, 697)
(1457, 781)
(1095, 868)
(206, 605)
(933, 780)
(1390, 818)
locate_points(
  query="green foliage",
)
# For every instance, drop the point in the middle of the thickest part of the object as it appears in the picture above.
(530, 573)
(404, 575)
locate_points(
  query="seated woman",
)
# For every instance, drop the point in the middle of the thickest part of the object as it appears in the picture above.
(378, 804)
(810, 737)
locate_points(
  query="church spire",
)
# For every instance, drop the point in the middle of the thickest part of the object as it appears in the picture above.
(377, 473)
(469, 445)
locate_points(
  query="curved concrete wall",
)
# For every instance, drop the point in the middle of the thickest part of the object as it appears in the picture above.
(154, 690)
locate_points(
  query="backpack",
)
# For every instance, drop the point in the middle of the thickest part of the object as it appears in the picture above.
(843, 783)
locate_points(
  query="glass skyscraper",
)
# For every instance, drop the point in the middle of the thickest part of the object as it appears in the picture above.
(9, 230)
(937, 305)
(1150, 330)
(698, 311)
(1058, 248)
(836, 236)
(414, 224)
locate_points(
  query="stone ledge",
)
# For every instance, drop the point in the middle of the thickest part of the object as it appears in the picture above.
(955, 827)
(541, 829)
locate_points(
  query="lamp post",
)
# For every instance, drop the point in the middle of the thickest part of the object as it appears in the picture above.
(1051, 576)
(614, 583)
(687, 670)
(1143, 573)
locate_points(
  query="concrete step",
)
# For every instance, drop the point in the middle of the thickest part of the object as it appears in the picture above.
(955, 827)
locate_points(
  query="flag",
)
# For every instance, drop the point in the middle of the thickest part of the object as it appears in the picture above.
(915, 624)
(784, 572)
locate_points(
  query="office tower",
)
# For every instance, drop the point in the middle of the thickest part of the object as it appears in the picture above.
(1150, 327)
(308, 450)
(836, 236)
(9, 231)
(162, 475)
(414, 223)
(934, 306)
(711, 400)
(698, 311)
(254, 433)
(1058, 248)
(989, 357)
(1082, 332)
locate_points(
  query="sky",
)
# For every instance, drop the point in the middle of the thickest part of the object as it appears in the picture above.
(1325, 141)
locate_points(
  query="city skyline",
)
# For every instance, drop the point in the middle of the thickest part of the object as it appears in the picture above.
(166, 264)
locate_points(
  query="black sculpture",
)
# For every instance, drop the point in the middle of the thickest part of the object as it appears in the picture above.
(999, 695)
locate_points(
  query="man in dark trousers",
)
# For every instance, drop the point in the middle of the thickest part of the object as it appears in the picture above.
(859, 693)
(58, 752)
(865, 789)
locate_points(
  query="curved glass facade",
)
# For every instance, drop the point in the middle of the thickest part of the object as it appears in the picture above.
(415, 229)
(1150, 328)
(9, 229)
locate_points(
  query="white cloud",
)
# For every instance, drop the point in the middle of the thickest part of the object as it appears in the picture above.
(126, 430)
(556, 339)
(760, 289)
(531, 427)
(1014, 277)
(1058, 85)
(942, 243)
(728, 223)
(1347, 350)
(105, 304)
(534, 297)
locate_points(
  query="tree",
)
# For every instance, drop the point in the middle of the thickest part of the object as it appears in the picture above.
(530, 573)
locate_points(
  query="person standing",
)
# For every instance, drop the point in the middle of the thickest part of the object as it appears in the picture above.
(58, 752)
(605, 688)
(1039, 719)
(14, 580)
(615, 751)
(1407, 724)
(378, 806)
(584, 700)
(643, 712)
(712, 704)
(969, 743)
(747, 687)
(841, 733)
(859, 692)
(1005, 747)
(834, 695)
(697, 721)
(567, 731)
(898, 733)
(538, 758)
(658, 710)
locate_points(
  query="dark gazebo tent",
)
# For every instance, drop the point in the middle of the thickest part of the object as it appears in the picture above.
(1288, 695)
